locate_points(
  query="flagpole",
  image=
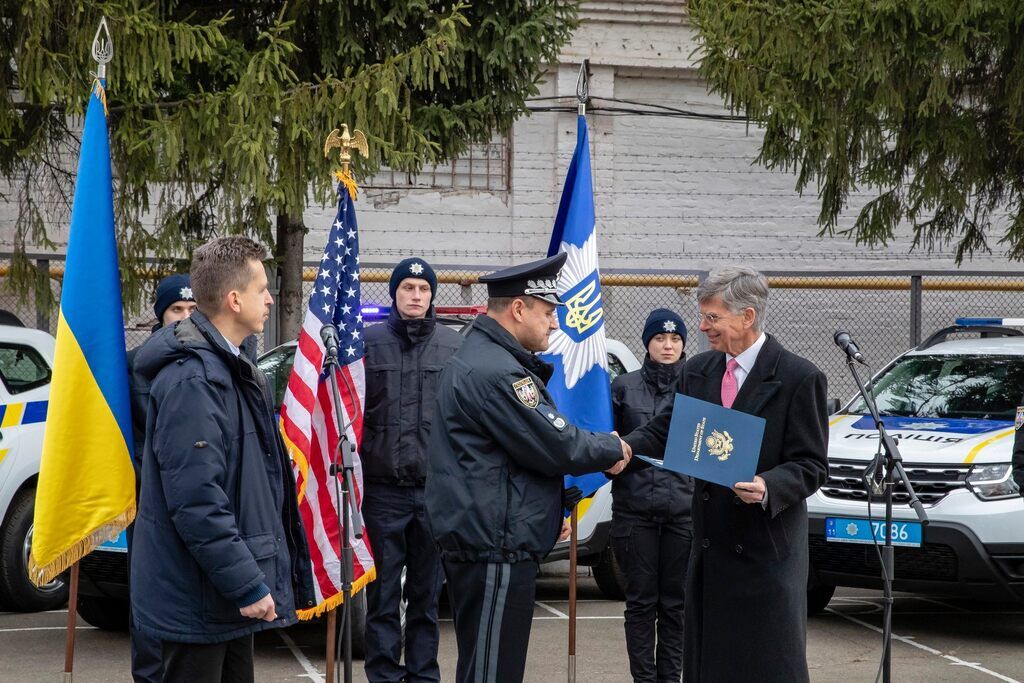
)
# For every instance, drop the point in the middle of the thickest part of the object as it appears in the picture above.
(342, 469)
(582, 94)
(573, 517)
(102, 52)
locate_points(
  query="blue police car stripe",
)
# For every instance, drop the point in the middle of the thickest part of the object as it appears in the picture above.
(924, 424)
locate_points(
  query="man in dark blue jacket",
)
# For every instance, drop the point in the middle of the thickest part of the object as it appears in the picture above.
(218, 534)
(404, 358)
(173, 302)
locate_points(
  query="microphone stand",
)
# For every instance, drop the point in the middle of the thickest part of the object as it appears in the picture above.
(893, 463)
(348, 512)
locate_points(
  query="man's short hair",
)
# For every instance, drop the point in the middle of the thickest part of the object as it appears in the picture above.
(222, 265)
(738, 287)
(499, 304)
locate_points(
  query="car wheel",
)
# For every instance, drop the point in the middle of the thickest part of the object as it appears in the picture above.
(109, 614)
(609, 576)
(818, 597)
(17, 591)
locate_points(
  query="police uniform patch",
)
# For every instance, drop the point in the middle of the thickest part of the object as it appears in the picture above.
(1018, 422)
(526, 392)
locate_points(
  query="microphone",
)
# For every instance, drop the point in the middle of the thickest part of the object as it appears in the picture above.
(329, 335)
(845, 342)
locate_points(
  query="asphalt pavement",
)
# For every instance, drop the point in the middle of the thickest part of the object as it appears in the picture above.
(936, 639)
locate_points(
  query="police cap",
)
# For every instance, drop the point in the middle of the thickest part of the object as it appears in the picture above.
(536, 278)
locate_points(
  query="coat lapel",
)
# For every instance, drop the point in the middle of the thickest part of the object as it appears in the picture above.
(761, 384)
(706, 383)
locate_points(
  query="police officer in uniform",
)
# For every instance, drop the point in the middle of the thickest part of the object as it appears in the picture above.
(498, 451)
(651, 526)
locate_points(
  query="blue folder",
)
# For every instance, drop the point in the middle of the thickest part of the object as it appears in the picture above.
(710, 442)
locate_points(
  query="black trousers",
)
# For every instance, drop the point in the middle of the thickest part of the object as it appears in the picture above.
(229, 662)
(653, 556)
(492, 605)
(396, 520)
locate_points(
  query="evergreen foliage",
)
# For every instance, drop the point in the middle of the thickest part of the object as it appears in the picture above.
(218, 110)
(920, 102)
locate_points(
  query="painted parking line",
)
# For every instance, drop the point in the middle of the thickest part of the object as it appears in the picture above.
(549, 608)
(311, 671)
(46, 628)
(909, 640)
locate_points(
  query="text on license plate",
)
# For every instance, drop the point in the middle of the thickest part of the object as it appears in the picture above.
(849, 530)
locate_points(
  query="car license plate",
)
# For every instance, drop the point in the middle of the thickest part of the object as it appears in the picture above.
(118, 545)
(848, 530)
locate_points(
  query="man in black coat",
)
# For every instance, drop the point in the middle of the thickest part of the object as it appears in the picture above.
(218, 534)
(404, 359)
(746, 593)
(651, 528)
(1018, 448)
(498, 452)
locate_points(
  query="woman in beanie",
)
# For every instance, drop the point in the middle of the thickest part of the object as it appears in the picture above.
(651, 526)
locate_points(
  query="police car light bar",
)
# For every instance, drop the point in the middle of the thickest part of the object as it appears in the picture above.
(381, 312)
(978, 322)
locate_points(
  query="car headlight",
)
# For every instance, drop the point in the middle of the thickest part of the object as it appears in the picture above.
(992, 482)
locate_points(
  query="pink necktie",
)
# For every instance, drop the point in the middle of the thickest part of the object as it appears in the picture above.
(729, 386)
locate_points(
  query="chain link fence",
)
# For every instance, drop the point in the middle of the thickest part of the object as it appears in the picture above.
(887, 312)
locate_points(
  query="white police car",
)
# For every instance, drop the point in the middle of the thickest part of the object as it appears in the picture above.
(26, 359)
(951, 403)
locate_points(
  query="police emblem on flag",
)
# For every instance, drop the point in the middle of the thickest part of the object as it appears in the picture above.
(526, 392)
(1018, 422)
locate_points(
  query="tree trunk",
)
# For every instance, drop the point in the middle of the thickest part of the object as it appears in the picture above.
(291, 234)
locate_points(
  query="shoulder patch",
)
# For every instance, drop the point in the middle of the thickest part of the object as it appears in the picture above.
(526, 392)
(1018, 422)
(556, 420)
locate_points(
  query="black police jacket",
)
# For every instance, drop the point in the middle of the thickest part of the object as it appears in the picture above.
(651, 493)
(499, 450)
(404, 359)
(218, 518)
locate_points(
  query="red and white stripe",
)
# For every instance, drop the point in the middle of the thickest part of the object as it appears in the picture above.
(311, 430)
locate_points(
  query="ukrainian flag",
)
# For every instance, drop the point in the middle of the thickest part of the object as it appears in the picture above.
(86, 489)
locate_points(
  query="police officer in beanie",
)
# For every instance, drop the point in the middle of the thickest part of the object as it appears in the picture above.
(498, 453)
(173, 302)
(404, 358)
(651, 526)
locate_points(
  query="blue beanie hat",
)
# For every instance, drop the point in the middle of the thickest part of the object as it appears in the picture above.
(171, 289)
(663, 320)
(413, 267)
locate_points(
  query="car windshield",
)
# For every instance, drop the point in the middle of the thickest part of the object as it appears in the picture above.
(985, 387)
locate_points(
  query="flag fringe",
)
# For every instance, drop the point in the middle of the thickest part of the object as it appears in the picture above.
(107, 531)
(335, 600)
(346, 179)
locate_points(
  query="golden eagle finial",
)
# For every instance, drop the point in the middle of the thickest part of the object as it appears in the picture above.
(346, 142)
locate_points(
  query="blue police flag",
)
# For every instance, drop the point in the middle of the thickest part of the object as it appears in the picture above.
(580, 384)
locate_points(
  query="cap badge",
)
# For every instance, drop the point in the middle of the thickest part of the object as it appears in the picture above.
(185, 294)
(416, 268)
(526, 392)
(669, 326)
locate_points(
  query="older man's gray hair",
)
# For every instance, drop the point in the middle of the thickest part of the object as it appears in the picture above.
(738, 287)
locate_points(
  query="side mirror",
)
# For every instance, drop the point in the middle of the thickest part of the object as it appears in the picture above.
(832, 406)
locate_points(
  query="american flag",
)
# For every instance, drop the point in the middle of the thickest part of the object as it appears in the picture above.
(308, 415)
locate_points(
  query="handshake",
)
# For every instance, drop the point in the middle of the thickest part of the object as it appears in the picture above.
(627, 453)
